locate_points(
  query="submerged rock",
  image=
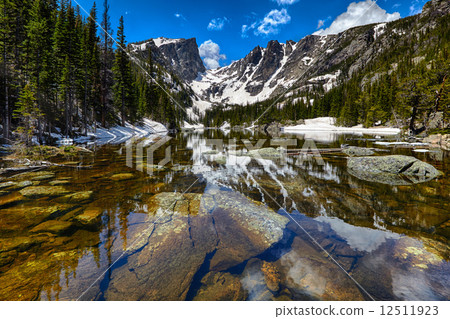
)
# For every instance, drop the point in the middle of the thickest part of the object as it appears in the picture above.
(165, 253)
(393, 169)
(184, 232)
(44, 191)
(357, 151)
(10, 199)
(265, 153)
(36, 176)
(90, 218)
(221, 287)
(54, 227)
(271, 276)
(18, 243)
(9, 187)
(308, 272)
(44, 176)
(20, 218)
(59, 182)
(77, 197)
(122, 177)
(7, 184)
(246, 228)
(415, 254)
(254, 282)
(24, 184)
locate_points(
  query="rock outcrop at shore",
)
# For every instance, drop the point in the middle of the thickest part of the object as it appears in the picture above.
(439, 140)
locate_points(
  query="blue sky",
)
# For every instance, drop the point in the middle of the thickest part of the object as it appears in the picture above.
(231, 29)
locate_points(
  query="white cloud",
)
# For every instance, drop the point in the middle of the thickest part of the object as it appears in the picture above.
(179, 16)
(272, 21)
(269, 25)
(246, 28)
(285, 2)
(320, 24)
(359, 13)
(217, 24)
(210, 53)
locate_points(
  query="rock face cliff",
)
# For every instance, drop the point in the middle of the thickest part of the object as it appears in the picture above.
(179, 56)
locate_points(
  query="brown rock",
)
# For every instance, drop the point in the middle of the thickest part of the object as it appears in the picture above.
(44, 191)
(122, 177)
(90, 218)
(220, 287)
(271, 276)
(53, 227)
(183, 231)
(308, 272)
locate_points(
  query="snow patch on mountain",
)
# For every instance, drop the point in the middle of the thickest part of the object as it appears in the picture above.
(162, 41)
(329, 79)
(379, 29)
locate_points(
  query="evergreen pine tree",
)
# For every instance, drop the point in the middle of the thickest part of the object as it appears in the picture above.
(107, 61)
(123, 82)
(28, 113)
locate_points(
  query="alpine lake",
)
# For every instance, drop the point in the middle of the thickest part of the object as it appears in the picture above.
(213, 224)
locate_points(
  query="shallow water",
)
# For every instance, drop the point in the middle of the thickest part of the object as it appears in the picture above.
(236, 229)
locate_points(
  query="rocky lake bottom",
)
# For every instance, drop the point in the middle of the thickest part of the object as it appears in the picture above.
(228, 225)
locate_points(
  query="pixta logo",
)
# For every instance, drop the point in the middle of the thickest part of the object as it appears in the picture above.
(148, 166)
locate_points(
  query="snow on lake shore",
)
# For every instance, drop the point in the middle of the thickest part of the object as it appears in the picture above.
(324, 129)
(188, 126)
(120, 134)
(327, 124)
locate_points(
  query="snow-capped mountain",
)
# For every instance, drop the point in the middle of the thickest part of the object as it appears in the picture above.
(286, 69)
(267, 71)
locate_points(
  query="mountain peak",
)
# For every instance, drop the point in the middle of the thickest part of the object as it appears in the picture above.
(180, 56)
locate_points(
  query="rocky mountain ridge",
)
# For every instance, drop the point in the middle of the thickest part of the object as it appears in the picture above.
(313, 63)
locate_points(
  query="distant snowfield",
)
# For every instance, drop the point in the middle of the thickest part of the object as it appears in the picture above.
(121, 134)
(327, 125)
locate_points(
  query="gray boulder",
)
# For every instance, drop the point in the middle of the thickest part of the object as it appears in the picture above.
(357, 151)
(392, 170)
